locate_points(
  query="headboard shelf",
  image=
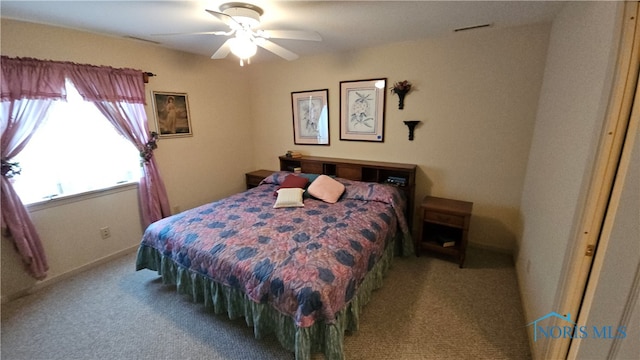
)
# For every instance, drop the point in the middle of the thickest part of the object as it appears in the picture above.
(398, 174)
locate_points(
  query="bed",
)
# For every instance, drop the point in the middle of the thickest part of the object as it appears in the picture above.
(302, 273)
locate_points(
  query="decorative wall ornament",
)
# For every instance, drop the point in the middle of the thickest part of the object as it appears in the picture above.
(401, 88)
(411, 124)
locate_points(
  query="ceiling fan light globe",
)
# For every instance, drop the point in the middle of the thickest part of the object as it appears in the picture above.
(242, 48)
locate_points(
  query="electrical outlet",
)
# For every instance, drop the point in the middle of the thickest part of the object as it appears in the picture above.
(105, 232)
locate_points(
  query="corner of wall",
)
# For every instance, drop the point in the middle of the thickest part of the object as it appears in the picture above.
(14, 280)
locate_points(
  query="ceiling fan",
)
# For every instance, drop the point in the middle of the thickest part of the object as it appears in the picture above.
(243, 20)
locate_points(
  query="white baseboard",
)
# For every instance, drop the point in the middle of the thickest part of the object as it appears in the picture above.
(491, 248)
(55, 279)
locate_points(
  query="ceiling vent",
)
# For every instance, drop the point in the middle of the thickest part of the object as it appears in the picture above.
(140, 39)
(472, 27)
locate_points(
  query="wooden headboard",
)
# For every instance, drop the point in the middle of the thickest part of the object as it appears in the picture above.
(401, 175)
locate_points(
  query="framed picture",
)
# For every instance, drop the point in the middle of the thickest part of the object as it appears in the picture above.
(172, 114)
(310, 117)
(362, 107)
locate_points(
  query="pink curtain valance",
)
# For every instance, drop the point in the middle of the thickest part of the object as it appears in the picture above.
(102, 83)
(44, 79)
(26, 78)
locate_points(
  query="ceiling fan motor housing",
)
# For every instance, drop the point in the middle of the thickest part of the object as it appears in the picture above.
(244, 20)
(247, 15)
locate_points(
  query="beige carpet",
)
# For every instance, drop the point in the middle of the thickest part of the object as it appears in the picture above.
(427, 309)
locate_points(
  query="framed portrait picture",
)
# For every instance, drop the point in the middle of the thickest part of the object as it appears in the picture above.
(362, 107)
(172, 114)
(310, 117)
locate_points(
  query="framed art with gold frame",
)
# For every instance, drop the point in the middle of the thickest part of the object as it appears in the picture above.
(171, 112)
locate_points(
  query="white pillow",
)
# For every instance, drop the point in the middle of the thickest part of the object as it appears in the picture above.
(289, 197)
(326, 189)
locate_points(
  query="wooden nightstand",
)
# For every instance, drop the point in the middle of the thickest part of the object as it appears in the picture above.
(444, 227)
(253, 178)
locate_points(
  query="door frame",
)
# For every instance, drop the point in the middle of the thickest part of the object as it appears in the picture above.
(605, 241)
(580, 259)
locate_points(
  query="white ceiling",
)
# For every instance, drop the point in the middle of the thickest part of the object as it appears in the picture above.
(343, 25)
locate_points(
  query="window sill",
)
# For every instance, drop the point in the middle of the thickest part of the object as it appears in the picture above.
(68, 199)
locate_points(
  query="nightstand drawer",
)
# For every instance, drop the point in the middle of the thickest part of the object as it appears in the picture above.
(444, 219)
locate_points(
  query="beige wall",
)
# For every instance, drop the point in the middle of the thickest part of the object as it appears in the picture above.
(476, 94)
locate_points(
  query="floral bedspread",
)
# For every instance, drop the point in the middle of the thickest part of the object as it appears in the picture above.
(306, 262)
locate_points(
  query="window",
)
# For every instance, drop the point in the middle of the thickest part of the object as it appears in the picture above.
(76, 150)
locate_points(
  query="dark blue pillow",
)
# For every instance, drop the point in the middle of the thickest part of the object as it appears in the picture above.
(309, 177)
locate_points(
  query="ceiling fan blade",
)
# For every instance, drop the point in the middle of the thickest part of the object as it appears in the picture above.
(277, 49)
(291, 34)
(223, 50)
(222, 33)
(223, 17)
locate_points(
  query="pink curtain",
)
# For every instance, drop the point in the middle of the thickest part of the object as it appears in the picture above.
(119, 95)
(28, 87)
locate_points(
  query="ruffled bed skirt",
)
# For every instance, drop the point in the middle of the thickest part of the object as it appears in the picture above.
(319, 338)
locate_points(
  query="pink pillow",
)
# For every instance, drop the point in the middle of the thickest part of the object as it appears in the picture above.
(326, 189)
(292, 181)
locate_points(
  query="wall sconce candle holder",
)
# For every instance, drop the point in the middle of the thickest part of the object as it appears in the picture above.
(411, 124)
(401, 95)
(401, 88)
